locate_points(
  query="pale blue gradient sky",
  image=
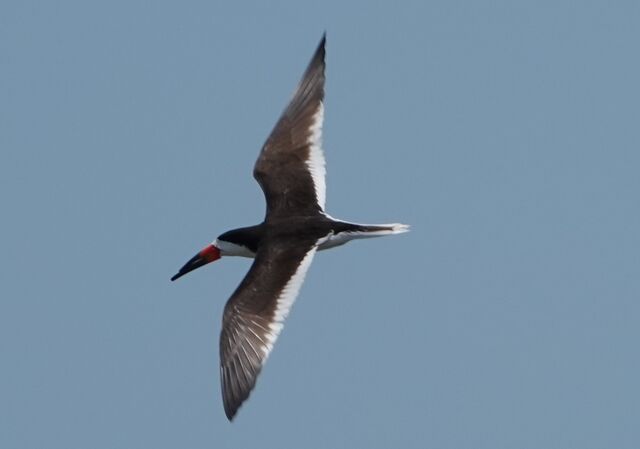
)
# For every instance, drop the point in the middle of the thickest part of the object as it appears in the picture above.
(506, 133)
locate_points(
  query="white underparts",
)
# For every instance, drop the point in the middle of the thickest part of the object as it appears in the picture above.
(232, 249)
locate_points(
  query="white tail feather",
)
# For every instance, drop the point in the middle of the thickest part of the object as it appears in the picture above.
(397, 228)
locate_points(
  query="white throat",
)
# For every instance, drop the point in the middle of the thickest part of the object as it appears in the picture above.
(232, 249)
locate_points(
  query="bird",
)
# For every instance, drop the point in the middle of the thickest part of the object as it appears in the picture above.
(290, 169)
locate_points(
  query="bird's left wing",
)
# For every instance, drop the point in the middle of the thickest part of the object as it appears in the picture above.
(291, 166)
(255, 313)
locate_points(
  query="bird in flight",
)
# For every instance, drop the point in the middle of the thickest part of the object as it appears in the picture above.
(291, 172)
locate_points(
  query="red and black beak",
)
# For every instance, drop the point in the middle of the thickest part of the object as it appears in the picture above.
(207, 255)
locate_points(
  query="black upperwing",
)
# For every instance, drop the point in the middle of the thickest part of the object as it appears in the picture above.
(291, 167)
(255, 313)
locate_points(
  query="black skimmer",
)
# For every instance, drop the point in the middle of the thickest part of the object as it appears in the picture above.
(291, 171)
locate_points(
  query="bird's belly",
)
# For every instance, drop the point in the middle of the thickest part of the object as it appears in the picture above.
(335, 240)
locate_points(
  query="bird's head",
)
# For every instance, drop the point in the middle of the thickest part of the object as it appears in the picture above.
(239, 242)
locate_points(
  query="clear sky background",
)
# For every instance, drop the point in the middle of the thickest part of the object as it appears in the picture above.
(506, 133)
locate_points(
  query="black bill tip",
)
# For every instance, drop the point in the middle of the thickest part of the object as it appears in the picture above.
(207, 255)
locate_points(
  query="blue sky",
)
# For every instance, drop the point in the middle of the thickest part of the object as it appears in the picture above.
(505, 133)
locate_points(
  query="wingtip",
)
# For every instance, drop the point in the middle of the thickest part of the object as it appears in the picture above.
(231, 410)
(320, 51)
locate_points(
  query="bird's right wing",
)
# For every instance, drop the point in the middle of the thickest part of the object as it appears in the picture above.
(255, 313)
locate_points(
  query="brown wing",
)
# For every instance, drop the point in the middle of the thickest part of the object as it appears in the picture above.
(254, 316)
(291, 167)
